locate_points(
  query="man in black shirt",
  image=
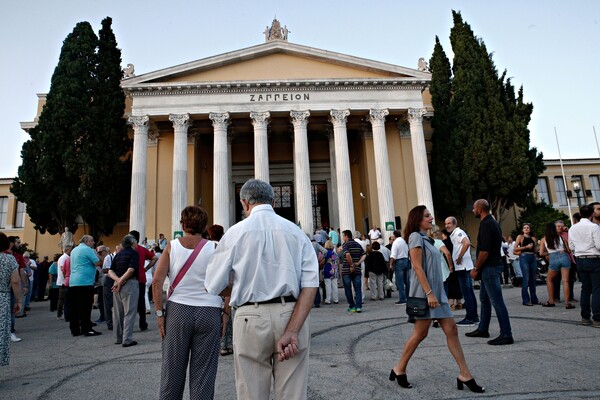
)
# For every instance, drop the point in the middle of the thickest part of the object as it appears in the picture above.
(488, 266)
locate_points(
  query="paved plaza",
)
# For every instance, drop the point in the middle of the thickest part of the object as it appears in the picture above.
(351, 357)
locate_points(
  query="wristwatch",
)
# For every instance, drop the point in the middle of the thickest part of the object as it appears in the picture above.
(160, 313)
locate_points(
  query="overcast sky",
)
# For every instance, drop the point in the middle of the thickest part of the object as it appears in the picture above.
(550, 47)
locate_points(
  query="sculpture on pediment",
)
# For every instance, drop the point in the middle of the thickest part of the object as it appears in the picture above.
(422, 65)
(276, 32)
(129, 71)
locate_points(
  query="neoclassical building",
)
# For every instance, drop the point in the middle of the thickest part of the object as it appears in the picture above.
(342, 139)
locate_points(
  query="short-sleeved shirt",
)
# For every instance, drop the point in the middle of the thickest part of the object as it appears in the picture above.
(356, 252)
(125, 259)
(457, 236)
(83, 268)
(489, 239)
(143, 255)
(334, 237)
(53, 270)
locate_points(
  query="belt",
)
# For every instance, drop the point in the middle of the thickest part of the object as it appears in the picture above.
(587, 257)
(280, 299)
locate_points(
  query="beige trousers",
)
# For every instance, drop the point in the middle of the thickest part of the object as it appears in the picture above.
(256, 330)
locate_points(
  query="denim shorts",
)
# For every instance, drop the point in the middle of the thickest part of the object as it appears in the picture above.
(559, 261)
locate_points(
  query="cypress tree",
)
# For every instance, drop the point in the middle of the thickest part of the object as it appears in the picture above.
(446, 167)
(106, 171)
(48, 179)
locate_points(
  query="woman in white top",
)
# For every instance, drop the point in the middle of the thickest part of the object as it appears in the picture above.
(191, 324)
(554, 246)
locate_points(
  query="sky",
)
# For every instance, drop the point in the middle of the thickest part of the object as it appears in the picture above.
(549, 47)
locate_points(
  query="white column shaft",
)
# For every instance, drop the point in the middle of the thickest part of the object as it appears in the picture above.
(385, 194)
(342, 162)
(137, 208)
(221, 178)
(260, 120)
(334, 217)
(302, 171)
(180, 161)
(417, 139)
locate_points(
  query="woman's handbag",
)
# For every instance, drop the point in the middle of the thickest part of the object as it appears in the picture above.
(416, 306)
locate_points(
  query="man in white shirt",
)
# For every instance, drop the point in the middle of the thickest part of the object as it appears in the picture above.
(400, 265)
(463, 264)
(275, 278)
(375, 235)
(584, 241)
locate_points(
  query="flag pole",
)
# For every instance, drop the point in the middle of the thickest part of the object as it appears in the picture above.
(596, 137)
(563, 175)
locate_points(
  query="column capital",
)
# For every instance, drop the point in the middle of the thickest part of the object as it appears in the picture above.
(328, 131)
(220, 120)
(260, 119)
(366, 131)
(299, 118)
(415, 115)
(377, 116)
(139, 121)
(180, 121)
(339, 117)
(192, 134)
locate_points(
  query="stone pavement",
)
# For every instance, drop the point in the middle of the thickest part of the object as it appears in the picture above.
(351, 356)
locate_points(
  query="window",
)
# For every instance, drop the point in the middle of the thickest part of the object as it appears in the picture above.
(20, 215)
(561, 193)
(542, 191)
(3, 211)
(595, 187)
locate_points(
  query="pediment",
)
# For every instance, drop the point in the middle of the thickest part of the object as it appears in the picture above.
(276, 61)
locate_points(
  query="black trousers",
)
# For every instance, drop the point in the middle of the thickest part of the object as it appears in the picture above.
(53, 297)
(108, 303)
(81, 299)
(141, 307)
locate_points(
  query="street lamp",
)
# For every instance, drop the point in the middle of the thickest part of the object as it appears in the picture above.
(577, 189)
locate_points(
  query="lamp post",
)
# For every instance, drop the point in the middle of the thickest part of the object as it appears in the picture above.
(577, 189)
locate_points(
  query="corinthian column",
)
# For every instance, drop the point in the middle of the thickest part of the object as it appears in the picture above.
(260, 120)
(302, 170)
(181, 123)
(417, 139)
(382, 169)
(221, 177)
(137, 206)
(342, 163)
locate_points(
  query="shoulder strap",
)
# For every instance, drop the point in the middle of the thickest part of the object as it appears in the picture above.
(186, 266)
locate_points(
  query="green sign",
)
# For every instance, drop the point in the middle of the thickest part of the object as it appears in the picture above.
(177, 234)
(390, 226)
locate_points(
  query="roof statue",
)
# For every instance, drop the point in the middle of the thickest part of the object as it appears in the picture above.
(422, 65)
(276, 32)
(129, 71)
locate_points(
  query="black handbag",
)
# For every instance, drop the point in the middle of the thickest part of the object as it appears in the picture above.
(416, 306)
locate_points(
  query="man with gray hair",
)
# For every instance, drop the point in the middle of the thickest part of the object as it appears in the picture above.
(81, 287)
(275, 278)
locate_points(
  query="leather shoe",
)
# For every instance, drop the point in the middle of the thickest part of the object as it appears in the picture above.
(478, 333)
(92, 333)
(132, 343)
(501, 340)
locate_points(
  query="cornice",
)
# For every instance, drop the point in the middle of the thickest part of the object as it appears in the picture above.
(157, 89)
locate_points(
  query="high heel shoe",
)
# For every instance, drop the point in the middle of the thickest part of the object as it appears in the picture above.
(471, 384)
(401, 379)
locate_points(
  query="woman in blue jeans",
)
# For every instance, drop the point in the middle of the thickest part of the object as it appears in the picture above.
(558, 251)
(526, 246)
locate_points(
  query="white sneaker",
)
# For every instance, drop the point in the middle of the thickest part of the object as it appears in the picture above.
(14, 338)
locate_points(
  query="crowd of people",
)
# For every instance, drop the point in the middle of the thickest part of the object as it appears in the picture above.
(218, 292)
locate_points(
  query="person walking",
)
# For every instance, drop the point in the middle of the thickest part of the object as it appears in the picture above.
(427, 282)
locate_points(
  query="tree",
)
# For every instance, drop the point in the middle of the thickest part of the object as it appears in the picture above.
(48, 179)
(484, 126)
(76, 163)
(538, 215)
(445, 167)
(105, 170)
